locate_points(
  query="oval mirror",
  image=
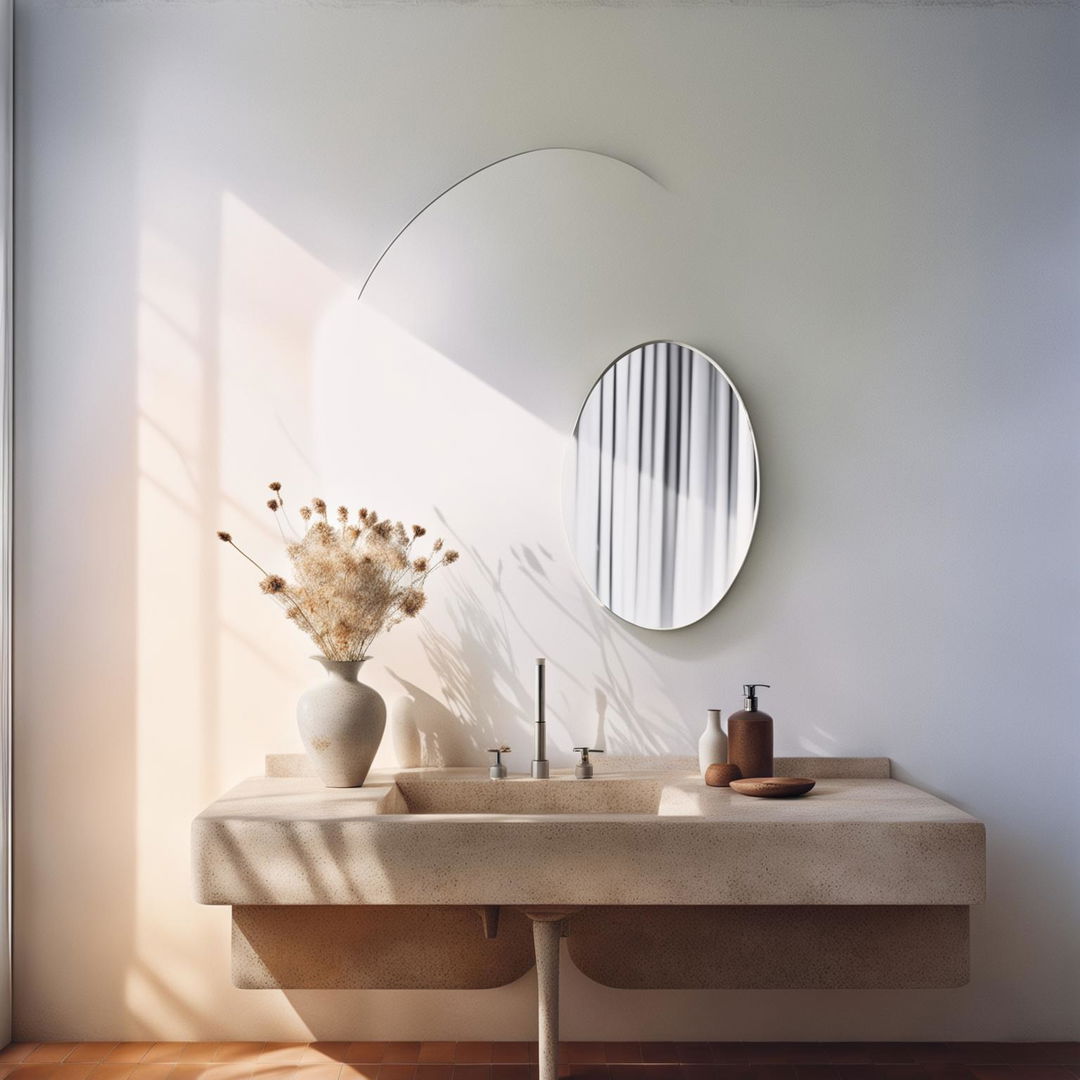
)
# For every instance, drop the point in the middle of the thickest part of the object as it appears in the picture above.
(661, 489)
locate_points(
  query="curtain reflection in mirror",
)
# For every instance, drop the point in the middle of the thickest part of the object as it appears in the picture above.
(665, 486)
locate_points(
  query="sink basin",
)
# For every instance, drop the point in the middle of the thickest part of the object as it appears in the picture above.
(863, 883)
(521, 795)
(649, 836)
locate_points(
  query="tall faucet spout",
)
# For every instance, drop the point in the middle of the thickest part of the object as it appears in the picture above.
(540, 767)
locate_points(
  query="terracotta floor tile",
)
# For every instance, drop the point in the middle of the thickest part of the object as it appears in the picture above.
(981, 1053)
(187, 1072)
(149, 1072)
(807, 1053)
(473, 1053)
(276, 1053)
(935, 1053)
(359, 1070)
(583, 1070)
(269, 1070)
(325, 1053)
(911, 1071)
(861, 1071)
(242, 1069)
(622, 1053)
(209, 1070)
(732, 1072)
(889, 1053)
(199, 1052)
(44, 1053)
(773, 1072)
(846, 1053)
(365, 1052)
(510, 1053)
(111, 1071)
(816, 1072)
(50, 1070)
(652, 1071)
(694, 1053)
(90, 1051)
(433, 1071)
(697, 1070)
(729, 1053)
(1061, 1053)
(762, 1053)
(326, 1070)
(656, 1053)
(436, 1052)
(16, 1052)
(512, 1071)
(1026, 1053)
(1022, 1072)
(399, 1071)
(582, 1053)
(128, 1053)
(162, 1053)
(471, 1071)
(401, 1053)
(239, 1052)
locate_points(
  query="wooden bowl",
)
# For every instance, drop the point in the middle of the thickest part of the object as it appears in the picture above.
(721, 775)
(773, 787)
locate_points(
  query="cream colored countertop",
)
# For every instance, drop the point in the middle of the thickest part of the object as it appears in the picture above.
(289, 840)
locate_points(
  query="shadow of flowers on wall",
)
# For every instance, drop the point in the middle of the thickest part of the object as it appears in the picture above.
(481, 652)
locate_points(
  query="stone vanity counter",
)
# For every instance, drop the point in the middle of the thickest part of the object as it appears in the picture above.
(636, 837)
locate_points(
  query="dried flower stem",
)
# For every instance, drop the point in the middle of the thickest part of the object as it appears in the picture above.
(352, 581)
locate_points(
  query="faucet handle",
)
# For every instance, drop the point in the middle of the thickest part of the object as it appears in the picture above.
(498, 770)
(584, 770)
(585, 751)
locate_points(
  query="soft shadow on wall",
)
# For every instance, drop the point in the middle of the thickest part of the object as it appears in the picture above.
(483, 693)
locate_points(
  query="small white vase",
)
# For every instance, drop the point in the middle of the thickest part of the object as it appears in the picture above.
(404, 732)
(712, 746)
(341, 724)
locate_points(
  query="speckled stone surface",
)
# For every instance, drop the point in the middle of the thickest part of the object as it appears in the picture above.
(386, 948)
(763, 948)
(289, 840)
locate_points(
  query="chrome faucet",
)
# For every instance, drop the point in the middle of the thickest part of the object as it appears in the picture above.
(497, 771)
(540, 767)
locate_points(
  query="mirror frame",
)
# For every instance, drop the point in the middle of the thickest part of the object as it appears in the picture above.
(570, 462)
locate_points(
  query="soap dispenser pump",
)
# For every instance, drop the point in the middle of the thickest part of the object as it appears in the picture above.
(750, 736)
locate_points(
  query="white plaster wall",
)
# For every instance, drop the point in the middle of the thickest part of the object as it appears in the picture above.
(879, 213)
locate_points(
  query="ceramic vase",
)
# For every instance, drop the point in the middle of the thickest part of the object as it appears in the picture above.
(404, 732)
(341, 724)
(712, 746)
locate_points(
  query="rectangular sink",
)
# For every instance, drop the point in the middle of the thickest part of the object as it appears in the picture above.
(639, 837)
(520, 795)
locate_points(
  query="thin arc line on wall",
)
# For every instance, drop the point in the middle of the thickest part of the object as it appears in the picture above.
(476, 172)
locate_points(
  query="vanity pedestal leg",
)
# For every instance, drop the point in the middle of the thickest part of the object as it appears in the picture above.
(546, 937)
(547, 932)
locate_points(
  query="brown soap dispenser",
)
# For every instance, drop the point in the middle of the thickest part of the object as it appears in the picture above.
(750, 736)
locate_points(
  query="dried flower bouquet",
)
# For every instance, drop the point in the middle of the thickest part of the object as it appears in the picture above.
(353, 580)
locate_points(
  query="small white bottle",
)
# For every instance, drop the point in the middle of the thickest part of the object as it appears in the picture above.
(712, 746)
